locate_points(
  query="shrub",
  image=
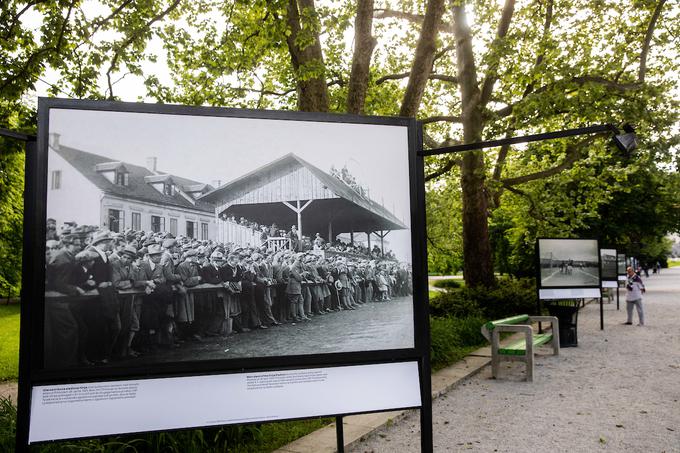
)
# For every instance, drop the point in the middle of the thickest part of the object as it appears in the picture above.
(451, 339)
(448, 283)
(510, 297)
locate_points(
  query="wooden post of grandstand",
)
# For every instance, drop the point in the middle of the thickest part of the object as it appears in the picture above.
(298, 210)
(368, 241)
(351, 237)
(330, 231)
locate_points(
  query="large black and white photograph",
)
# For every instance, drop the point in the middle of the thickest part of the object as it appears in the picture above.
(566, 263)
(608, 259)
(174, 238)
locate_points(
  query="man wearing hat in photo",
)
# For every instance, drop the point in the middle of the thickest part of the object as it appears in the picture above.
(263, 300)
(108, 324)
(340, 275)
(281, 307)
(124, 275)
(294, 288)
(151, 277)
(188, 270)
(211, 318)
(234, 278)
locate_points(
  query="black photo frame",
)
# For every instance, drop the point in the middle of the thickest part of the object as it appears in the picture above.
(37, 380)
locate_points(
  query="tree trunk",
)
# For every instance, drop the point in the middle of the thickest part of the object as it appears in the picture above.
(423, 59)
(477, 257)
(364, 42)
(307, 61)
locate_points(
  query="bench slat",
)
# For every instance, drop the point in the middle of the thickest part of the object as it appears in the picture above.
(519, 347)
(511, 320)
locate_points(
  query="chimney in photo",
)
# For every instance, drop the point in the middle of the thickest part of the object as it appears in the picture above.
(54, 140)
(151, 163)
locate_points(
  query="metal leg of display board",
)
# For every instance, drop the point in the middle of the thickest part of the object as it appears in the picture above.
(426, 435)
(601, 314)
(617, 296)
(339, 435)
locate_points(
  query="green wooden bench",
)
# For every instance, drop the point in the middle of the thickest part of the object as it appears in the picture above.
(523, 349)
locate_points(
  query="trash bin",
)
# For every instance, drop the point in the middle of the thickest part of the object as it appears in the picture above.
(566, 312)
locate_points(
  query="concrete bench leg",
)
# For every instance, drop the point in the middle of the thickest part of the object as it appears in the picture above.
(530, 357)
(495, 357)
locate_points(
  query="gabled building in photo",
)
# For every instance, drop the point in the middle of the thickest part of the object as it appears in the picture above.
(90, 189)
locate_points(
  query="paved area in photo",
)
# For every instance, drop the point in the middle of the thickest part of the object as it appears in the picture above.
(617, 391)
(374, 325)
(578, 277)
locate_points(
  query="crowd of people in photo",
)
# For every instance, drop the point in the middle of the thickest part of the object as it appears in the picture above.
(305, 243)
(119, 295)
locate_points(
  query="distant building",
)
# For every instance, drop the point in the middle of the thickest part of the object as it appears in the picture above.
(94, 190)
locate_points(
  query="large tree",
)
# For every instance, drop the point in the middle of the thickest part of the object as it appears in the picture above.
(468, 70)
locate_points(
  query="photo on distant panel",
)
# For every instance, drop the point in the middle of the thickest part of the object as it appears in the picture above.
(568, 263)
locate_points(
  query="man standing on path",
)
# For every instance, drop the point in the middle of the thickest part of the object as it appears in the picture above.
(634, 290)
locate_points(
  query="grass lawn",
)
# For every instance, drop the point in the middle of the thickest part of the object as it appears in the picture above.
(9, 341)
(673, 263)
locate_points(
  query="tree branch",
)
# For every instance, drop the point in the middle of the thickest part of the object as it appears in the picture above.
(442, 118)
(364, 43)
(404, 75)
(573, 154)
(383, 13)
(448, 165)
(580, 81)
(18, 15)
(648, 39)
(534, 211)
(423, 58)
(131, 38)
(492, 75)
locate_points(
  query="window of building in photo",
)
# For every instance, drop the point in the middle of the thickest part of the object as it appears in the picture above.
(116, 220)
(191, 229)
(173, 227)
(56, 180)
(122, 178)
(136, 221)
(204, 231)
(157, 224)
(169, 189)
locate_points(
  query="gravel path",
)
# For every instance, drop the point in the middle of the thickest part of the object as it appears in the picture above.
(618, 391)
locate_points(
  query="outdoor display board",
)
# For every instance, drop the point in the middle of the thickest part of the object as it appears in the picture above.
(568, 268)
(174, 255)
(609, 267)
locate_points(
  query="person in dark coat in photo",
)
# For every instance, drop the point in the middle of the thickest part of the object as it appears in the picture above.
(124, 275)
(232, 278)
(152, 278)
(217, 310)
(109, 321)
(189, 271)
(294, 289)
(263, 300)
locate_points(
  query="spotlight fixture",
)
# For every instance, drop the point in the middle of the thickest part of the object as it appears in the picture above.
(627, 141)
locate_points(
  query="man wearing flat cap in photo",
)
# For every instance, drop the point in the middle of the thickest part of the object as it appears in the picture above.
(151, 278)
(108, 324)
(294, 289)
(124, 275)
(263, 300)
(189, 271)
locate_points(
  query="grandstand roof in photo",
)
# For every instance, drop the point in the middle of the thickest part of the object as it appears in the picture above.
(270, 194)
